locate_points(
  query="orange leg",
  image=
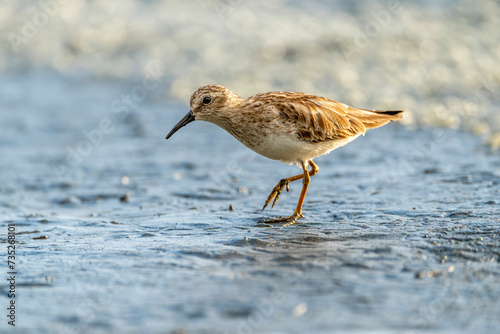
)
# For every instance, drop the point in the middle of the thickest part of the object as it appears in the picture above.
(285, 183)
(306, 179)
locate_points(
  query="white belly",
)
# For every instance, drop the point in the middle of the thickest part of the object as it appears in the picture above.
(290, 149)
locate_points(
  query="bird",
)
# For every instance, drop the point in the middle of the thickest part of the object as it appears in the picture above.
(290, 127)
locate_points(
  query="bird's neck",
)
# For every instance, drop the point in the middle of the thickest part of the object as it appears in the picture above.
(232, 117)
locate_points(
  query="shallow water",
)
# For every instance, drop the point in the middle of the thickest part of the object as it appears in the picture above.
(120, 231)
(128, 232)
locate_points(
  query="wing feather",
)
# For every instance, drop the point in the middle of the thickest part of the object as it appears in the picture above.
(317, 122)
(319, 119)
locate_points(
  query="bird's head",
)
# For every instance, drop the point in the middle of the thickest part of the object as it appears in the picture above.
(208, 103)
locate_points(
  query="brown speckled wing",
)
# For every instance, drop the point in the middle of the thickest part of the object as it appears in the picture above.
(320, 119)
(369, 118)
(317, 119)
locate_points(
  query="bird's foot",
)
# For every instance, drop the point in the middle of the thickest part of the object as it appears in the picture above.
(277, 192)
(286, 220)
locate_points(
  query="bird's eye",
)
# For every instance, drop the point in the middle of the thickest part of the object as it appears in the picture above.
(207, 100)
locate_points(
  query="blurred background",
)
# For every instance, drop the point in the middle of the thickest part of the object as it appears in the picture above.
(438, 61)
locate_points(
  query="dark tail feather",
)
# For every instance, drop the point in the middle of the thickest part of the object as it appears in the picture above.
(390, 112)
(375, 118)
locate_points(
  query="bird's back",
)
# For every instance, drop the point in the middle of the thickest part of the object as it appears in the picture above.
(320, 119)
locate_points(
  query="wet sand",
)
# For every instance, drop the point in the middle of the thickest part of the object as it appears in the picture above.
(133, 233)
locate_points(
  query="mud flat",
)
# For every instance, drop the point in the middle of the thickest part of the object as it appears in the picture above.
(402, 228)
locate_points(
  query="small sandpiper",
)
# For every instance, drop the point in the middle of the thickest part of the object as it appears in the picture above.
(286, 126)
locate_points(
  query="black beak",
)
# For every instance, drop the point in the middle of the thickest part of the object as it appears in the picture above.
(185, 121)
